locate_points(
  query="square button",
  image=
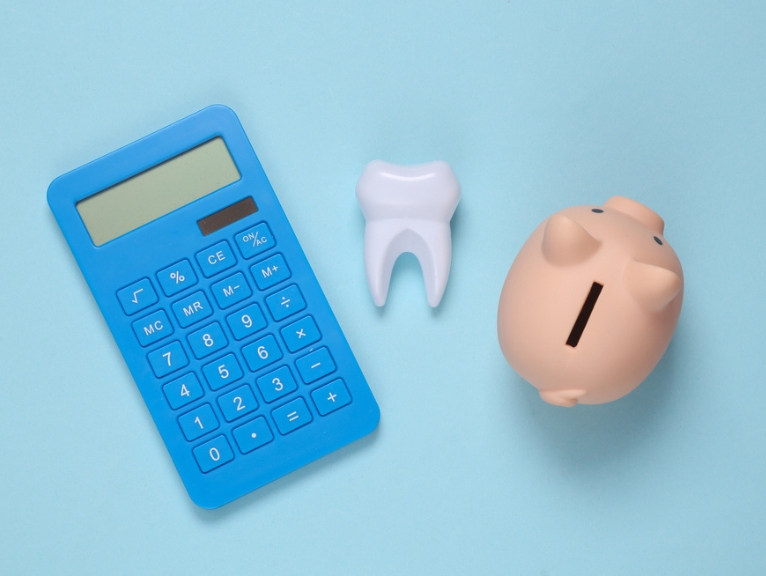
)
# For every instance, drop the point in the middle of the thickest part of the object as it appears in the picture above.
(214, 453)
(137, 296)
(300, 334)
(253, 435)
(215, 259)
(176, 278)
(291, 416)
(330, 397)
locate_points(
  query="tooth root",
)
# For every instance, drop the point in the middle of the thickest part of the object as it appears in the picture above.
(408, 209)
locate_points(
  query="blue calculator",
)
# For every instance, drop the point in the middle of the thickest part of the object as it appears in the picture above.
(214, 306)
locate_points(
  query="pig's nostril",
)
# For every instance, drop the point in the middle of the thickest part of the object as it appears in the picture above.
(584, 316)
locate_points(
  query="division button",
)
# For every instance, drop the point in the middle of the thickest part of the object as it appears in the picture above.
(291, 416)
(216, 259)
(315, 365)
(191, 309)
(213, 453)
(137, 296)
(330, 397)
(254, 240)
(152, 328)
(176, 278)
(253, 435)
(286, 302)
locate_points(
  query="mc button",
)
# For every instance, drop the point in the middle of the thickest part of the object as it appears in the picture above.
(152, 328)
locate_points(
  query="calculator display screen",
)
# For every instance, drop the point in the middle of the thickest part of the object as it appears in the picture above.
(157, 191)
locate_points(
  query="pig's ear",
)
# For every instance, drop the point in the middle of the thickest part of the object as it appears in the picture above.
(566, 242)
(653, 287)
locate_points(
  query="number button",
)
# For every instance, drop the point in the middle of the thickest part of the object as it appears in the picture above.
(261, 353)
(183, 391)
(207, 340)
(213, 453)
(254, 240)
(285, 303)
(152, 328)
(221, 372)
(237, 403)
(198, 422)
(300, 334)
(216, 259)
(192, 309)
(167, 359)
(176, 278)
(231, 290)
(137, 296)
(246, 322)
(276, 384)
(330, 397)
(291, 416)
(253, 435)
(315, 365)
(269, 272)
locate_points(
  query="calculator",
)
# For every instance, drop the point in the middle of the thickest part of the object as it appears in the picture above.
(214, 306)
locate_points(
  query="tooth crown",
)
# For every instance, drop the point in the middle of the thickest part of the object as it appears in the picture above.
(408, 209)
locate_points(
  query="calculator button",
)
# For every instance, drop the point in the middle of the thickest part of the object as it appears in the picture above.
(246, 322)
(216, 259)
(191, 309)
(182, 391)
(198, 422)
(152, 328)
(176, 278)
(168, 359)
(286, 303)
(276, 384)
(291, 416)
(254, 240)
(222, 372)
(213, 453)
(253, 435)
(207, 340)
(231, 290)
(137, 296)
(300, 334)
(269, 272)
(330, 397)
(237, 403)
(261, 353)
(315, 365)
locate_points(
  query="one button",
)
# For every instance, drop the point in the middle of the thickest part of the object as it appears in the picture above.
(152, 328)
(167, 359)
(191, 309)
(254, 240)
(330, 397)
(137, 296)
(207, 340)
(253, 435)
(286, 303)
(246, 322)
(300, 334)
(269, 272)
(222, 372)
(291, 416)
(276, 384)
(182, 391)
(198, 422)
(315, 365)
(213, 453)
(237, 403)
(261, 353)
(176, 278)
(216, 259)
(231, 290)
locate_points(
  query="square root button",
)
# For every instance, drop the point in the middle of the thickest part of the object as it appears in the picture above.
(330, 397)
(300, 334)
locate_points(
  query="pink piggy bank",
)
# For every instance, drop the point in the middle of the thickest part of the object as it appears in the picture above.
(591, 302)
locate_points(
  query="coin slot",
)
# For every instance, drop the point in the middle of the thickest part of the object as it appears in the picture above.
(584, 316)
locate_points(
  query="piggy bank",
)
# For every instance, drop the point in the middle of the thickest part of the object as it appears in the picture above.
(591, 302)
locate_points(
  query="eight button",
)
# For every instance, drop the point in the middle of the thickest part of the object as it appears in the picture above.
(207, 340)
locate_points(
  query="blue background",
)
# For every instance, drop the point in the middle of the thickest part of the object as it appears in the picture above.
(537, 106)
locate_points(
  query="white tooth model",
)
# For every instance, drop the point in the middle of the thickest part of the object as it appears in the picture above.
(408, 209)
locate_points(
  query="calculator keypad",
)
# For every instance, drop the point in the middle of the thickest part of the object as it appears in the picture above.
(250, 372)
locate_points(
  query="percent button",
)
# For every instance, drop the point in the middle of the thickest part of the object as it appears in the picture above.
(255, 240)
(177, 277)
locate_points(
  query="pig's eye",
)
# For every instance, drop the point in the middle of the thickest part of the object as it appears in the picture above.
(597, 210)
(658, 240)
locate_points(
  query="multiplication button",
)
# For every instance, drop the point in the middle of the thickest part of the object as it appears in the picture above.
(300, 334)
(213, 453)
(255, 240)
(137, 296)
(176, 278)
(291, 416)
